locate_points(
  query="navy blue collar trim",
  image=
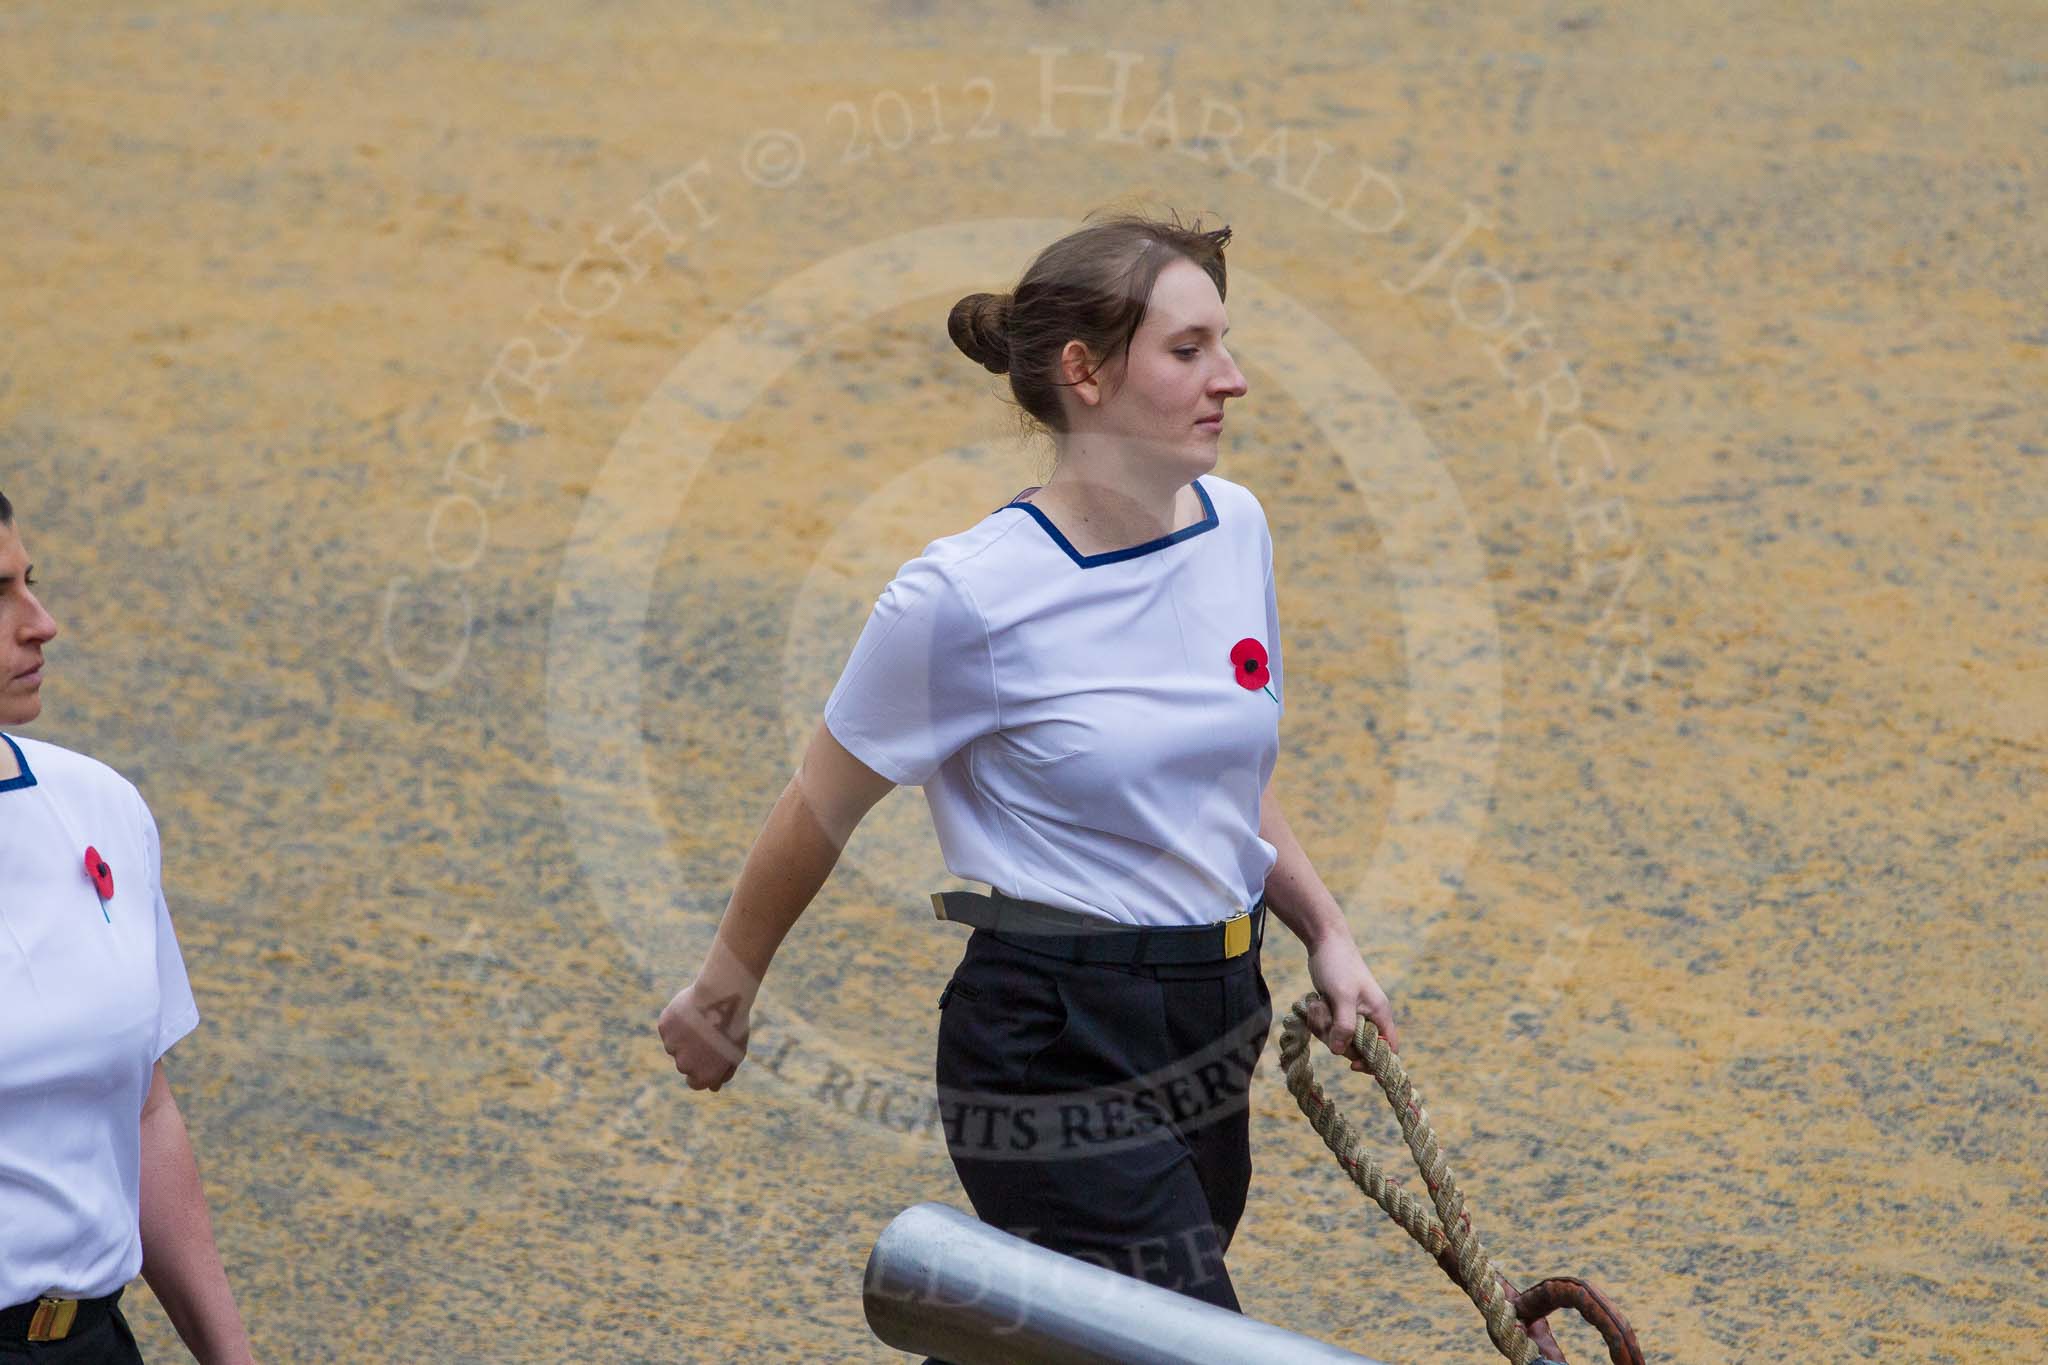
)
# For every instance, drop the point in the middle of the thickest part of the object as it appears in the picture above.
(25, 777)
(1209, 522)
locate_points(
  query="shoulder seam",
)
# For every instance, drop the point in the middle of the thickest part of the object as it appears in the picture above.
(59, 754)
(997, 538)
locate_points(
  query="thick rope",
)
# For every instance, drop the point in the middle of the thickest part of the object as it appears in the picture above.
(1451, 1241)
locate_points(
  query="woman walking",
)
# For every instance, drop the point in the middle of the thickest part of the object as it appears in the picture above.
(1087, 684)
(97, 1176)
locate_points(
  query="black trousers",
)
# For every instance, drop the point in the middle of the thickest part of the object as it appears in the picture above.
(1104, 1111)
(107, 1342)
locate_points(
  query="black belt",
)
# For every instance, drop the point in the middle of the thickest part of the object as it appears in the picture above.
(51, 1318)
(1093, 938)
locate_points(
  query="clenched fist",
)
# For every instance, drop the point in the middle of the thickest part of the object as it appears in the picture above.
(705, 1029)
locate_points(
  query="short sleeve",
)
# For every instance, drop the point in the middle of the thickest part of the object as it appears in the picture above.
(177, 1011)
(920, 683)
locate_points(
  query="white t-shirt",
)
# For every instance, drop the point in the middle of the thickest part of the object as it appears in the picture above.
(90, 997)
(1092, 732)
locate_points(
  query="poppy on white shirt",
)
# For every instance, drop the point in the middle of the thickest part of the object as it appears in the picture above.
(1093, 732)
(92, 993)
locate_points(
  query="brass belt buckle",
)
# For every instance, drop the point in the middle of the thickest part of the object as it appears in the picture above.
(1237, 935)
(52, 1319)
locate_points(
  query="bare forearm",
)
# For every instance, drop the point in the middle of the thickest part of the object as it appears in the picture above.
(788, 864)
(1293, 890)
(1345, 989)
(179, 1258)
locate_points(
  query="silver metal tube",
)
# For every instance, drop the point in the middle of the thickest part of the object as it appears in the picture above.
(951, 1286)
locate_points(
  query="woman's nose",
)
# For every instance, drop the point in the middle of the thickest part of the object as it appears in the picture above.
(42, 627)
(1232, 383)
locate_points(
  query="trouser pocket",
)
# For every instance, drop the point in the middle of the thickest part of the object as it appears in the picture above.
(995, 1018)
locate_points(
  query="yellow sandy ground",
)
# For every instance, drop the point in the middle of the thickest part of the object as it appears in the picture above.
(1683, 779)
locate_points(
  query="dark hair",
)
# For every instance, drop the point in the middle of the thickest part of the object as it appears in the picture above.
(1090, 286)
(6, 511)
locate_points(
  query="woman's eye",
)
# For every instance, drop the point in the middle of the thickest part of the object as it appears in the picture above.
(1188, 350)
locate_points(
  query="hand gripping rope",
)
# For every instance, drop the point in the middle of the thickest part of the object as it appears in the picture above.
(1515, 1320)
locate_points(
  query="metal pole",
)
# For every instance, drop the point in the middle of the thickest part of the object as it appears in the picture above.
(948, 1285)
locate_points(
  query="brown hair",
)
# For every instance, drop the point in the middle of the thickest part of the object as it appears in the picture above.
(1090, 286)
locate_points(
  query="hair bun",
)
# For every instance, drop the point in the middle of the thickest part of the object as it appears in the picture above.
(980, 326)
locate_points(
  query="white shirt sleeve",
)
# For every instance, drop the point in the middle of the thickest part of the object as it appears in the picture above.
(177, 1011)
(920, 683)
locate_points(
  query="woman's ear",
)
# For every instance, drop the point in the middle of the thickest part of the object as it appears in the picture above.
(1075, 366)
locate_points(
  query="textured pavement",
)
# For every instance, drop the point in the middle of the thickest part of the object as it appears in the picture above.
(461, 603)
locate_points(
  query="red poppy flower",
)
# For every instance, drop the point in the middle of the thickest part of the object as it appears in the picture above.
(102, 877)
(1248, 666)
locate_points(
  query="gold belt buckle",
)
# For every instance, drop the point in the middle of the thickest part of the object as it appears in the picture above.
(1237, 935)
(52, 1319)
